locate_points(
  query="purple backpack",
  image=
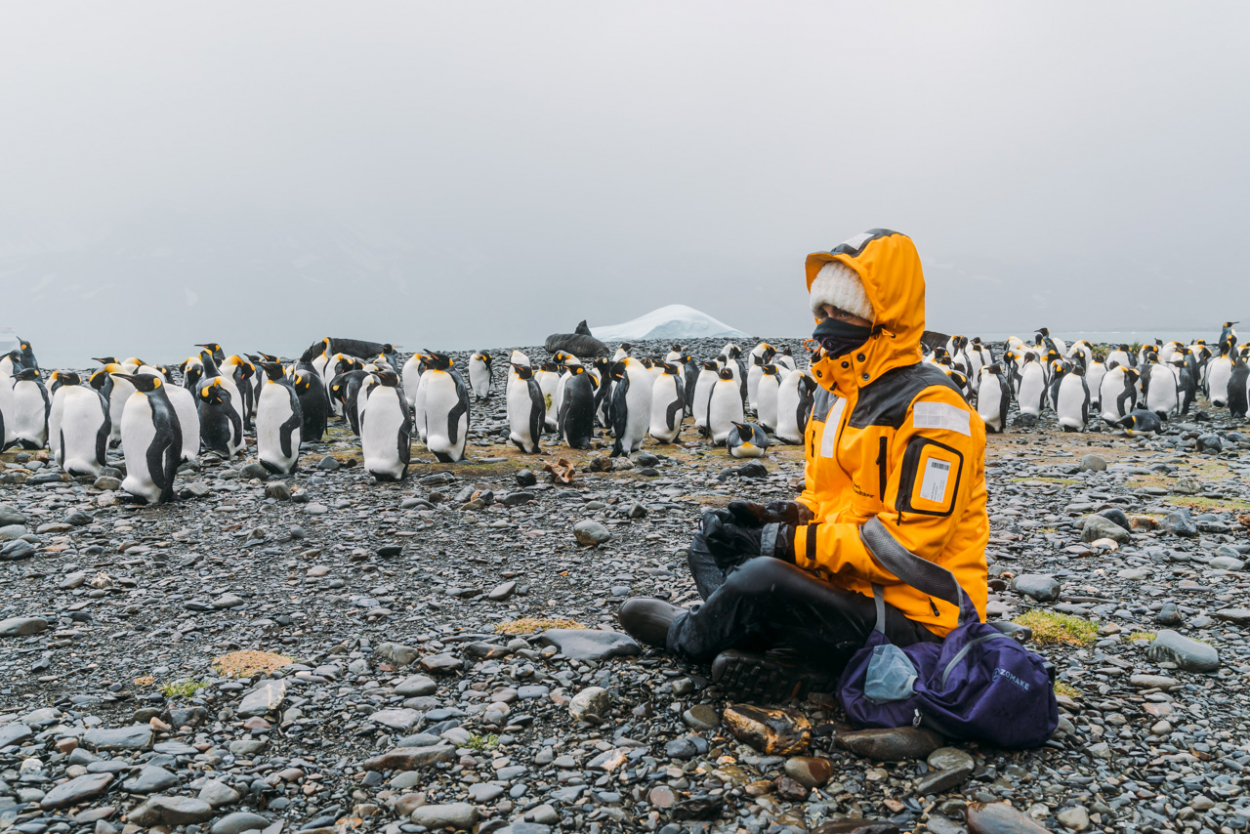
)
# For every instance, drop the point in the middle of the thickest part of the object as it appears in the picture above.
(978, 684)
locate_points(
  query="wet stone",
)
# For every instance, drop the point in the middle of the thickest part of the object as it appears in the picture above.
(773, 731)
(22, 626)
(135, 737)
(890, 745)
(1189, 655)
(76, 790)
(590, 644)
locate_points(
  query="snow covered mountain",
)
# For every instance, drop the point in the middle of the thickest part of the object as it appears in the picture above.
(676, 321)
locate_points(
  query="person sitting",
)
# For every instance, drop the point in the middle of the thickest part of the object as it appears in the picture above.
(895, 460)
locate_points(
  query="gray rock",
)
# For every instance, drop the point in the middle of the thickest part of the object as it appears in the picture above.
(238, 822)
(134, 737)
(1041, 587)
(1226, 563)
(485, 792)
(1169, 614)
(1093, 463)
(590, 643)
(1189, 655)
(1180, 523)
(397, 719)
(458, 815)
(701, 717)
(416, 685)
(1075, 818)
(278, 490)
(22, 626)
(13, 733)
(1100, 527)
(10, 514)
(592, 704)
(106, 483)
(951, 767)
(590, 532)
(228, 601)
(502, 591)
(76, 790)
(218, 794)
(265, 698)
(397, 653)
(171, 810)
(150, 779)
(18, 549)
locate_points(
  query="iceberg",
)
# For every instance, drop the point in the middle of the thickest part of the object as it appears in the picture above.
(676, 321)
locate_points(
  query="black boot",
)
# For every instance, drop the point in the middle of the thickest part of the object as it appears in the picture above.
(774, 676)
(647, 620)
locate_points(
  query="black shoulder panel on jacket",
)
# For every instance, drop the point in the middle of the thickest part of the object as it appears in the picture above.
(885, 400)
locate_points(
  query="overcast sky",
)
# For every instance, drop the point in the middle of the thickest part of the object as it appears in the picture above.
(483, 174)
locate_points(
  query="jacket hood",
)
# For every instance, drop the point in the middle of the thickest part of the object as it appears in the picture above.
(889, 267)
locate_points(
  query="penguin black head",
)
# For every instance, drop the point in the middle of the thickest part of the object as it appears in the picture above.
(550, 367)
(992, 369)
(27, 374)
(576, 369)
(648, 363)
(709, 365)
(1124, 348)
(787, 351)
(745, 432)
(438, 361)
(105, 360)
(769, 370)
(301, 381)
(671, 368)
(144, 383)
(273, 370)
(735, 352)
(677, 348)
(617, 371)
(100, 380)
(523, 371)
(215, 392)
(1044, 332)
(726, 373)
(66, 378)
(388, 379)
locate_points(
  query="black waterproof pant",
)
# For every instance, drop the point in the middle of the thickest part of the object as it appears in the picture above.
(769, 603)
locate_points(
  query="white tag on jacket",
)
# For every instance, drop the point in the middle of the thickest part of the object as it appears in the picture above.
(833, 423)
(942, 416)
(933, 487)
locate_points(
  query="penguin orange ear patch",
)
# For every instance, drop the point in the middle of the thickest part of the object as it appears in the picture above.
(930, 478)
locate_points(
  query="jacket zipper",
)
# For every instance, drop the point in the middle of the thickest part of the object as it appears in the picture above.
(881, 469)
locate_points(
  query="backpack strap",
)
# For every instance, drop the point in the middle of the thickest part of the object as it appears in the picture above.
(925, 576)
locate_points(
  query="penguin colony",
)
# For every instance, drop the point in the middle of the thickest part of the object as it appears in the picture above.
(226, 404)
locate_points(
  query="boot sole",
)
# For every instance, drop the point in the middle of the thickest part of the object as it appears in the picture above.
(756, 677)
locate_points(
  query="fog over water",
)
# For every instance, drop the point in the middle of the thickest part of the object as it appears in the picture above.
(473, 175)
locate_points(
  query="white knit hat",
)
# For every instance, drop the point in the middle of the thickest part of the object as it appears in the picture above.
(839, 285)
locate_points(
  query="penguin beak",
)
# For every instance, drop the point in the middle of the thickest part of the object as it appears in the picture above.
(127, 377)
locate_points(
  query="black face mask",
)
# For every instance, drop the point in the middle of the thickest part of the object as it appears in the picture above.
(839, 338)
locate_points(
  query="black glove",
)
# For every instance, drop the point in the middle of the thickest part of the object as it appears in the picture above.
(729, 542)
(751, 514)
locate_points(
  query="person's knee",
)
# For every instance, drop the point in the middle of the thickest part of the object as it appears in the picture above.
(759, 575)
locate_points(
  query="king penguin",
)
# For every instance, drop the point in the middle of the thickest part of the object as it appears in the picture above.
(30, 409)
(709, 373)
(724, 407)
(631, 405)
(548, 378)
(993, 398)
(151, 440)
(1238, 396)
(314, 404)
(479, 374)
(668, 403)
(1219, 371)
(221, 429)
(1071, 398)
(446, 409)
(80, 426)
(577, 408)
(746, 440)
(795, 398)
(279, 423)
(187, 411)
(1117, 395)
(1032, 396)
(527, 409)
(766, 397)
(1161, 387)
(386, 428)
(1140, 422)
(411, 376)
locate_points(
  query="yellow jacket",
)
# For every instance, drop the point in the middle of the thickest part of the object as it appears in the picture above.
(890, 436)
